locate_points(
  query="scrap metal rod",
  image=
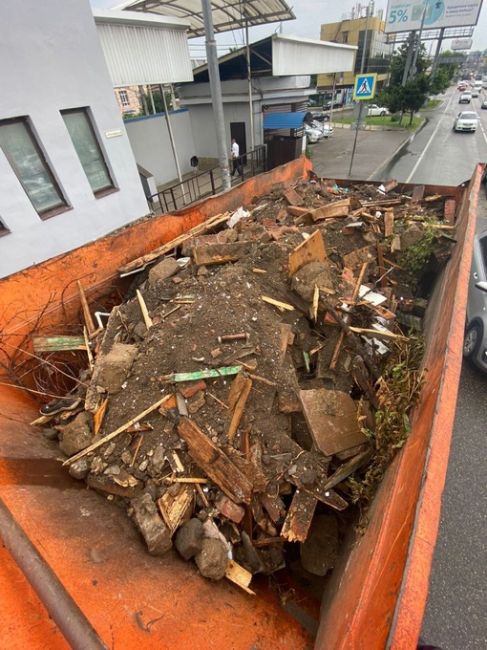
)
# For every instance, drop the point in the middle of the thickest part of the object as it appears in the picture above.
(73, 624)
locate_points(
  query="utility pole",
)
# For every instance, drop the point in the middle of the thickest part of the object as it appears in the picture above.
(361, 105)
(409, 58)
(249, 82)
(434, 67)
(216, 93)
(418, 45)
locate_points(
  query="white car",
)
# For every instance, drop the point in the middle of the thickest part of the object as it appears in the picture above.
(465, 98)
(377, 111)
(323, 127)
(312, 135)
(466, 121)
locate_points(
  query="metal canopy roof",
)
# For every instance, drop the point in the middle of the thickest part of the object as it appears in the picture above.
(227, 14)
(284, 120)
(283, 55)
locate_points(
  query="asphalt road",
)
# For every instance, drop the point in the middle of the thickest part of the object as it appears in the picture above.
(438, 154)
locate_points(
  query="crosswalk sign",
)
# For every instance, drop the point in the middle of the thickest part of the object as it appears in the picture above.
(364, 87)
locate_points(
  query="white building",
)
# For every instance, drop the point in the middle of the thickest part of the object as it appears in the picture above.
(67, 171)
(281, 68)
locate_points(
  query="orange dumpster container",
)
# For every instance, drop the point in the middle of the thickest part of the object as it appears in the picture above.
(93, 555)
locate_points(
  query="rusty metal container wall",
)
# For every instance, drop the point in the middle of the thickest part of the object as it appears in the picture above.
(381, 590)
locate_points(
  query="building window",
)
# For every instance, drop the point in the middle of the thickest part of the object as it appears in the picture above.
(29, 164)
(124, 97)
(83, 135)
(344, 37)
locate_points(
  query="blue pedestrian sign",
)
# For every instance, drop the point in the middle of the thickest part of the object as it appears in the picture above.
(364, 87)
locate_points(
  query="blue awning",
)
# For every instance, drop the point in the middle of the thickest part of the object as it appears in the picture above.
(284, 120)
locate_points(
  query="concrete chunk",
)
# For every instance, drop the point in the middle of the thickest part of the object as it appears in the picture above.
(163, 270)
(156, 534)
(114, 367)
(76, 435)
(189, 539)
(212, 560)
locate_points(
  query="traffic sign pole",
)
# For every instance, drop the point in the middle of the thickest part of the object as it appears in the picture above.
(359, 121)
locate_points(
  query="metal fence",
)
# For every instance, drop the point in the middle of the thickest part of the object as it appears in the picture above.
(206, 183)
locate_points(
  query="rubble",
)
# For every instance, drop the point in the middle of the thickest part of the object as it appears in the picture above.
(241, 401)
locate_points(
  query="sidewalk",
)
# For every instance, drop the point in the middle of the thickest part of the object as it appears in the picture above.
(331, 157)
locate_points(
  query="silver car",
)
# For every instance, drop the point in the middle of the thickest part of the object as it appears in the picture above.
(466, 121)
(475, 342)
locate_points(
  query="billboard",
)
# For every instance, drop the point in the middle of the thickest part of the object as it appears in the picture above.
(461, 44)
(406, 15)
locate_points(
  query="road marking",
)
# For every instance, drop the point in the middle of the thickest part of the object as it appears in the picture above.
(483, 130)
(418, 162)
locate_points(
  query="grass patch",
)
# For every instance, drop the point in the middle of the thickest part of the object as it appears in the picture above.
(432, 104)
(389, 121)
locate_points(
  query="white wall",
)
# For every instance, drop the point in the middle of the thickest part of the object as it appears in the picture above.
(50, 60)
(149, 137)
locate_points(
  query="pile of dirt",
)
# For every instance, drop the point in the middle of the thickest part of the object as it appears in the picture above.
(232, 403)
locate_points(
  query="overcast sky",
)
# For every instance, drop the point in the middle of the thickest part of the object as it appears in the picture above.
(310, 14)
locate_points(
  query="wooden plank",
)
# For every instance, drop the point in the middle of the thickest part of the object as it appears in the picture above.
(299, 517)
(215, 463)
(292, 197)
(176, 504)
(239, 409)
(229, 509)
(236, 389)
(57, 343)
(141, 262)
(331, 416)
(144, 310)
(388, 223)
(311, 250)
(239, 576)
(380, 261)
(99, 417)
(209, 254)
(449, 211)
(90, 325)
(282, 306)
(348, 468)
(331, 210)
(383, 203)
(295, 211)
(341, 338)
(418, 193)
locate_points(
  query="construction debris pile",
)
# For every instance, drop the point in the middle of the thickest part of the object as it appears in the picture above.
(231, 403)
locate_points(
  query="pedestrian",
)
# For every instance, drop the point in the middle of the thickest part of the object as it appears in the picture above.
(237, 163)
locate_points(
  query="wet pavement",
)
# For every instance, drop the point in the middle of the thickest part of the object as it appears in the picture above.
(331, 156)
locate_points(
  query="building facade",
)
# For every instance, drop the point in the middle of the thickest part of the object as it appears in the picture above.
(129, 101)
(67, 171)
(353, 32)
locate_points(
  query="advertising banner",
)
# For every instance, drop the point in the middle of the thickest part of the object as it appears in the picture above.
(406, 15)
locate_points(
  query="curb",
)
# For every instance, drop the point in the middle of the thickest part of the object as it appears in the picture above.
(397, 151)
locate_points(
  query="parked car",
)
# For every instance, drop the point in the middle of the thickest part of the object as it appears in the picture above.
(465, 98)
(324, 128)
(466, 121)
(312, 135)
(374, 111)
(484, 104)
(475, 342)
